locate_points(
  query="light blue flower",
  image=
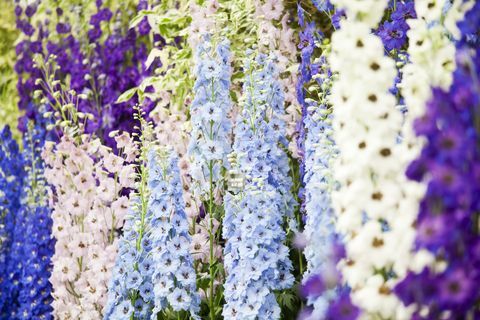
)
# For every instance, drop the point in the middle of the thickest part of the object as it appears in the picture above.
(210, 142)
(256, 259)
(174, 279)
(319, 231)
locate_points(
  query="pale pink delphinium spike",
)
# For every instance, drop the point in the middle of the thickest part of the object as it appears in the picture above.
(87, 181)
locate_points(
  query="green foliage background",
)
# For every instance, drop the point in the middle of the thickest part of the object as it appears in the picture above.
(9, 112)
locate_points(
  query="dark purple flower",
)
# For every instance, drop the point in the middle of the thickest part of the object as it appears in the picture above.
(393, 34)
(313, 287)
(394, 31)
(404, 11)
(144, 27)
(18, 10)
(102, 15)
(63, 28)
(30, 11)
(456, 288)
(337, 17)
(342, 309)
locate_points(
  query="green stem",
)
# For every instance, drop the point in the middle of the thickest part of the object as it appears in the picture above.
(212, 239)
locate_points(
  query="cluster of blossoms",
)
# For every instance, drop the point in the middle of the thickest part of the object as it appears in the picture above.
(154, 269)
(320, 152)
(431, 60)
(29, 264)
(276, 36)
(174, 278)
(11, 184)
(88, 184)
(210, 139)
(100, 64)
(431, 55)
(130, 291)
(171, 129)
(394, 30)
(447, 224)
(374, 204)
(256, 258)
(209, 142)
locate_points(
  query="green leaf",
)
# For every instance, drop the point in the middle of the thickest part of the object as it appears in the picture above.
(151, 57)
(139, 17)
(127, 95)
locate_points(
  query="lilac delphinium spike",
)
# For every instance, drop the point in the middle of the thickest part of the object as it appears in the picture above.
(173, 278)
(11, 183)
(256, 260)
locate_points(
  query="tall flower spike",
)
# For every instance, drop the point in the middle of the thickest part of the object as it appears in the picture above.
(256, 260)
(320, 152)
(87, 181)
(130, 292)
(11, 183)
(173, 278)
(374, 214)
(447, 224)
(277, 37)
(209, 143)
(30, 261)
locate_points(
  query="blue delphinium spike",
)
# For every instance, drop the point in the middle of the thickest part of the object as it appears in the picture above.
(209, 143)
(256, 260)
(174, 279)
(132, 271)
(320, 222)
(11, 183)
(154, 269)
(33, 246)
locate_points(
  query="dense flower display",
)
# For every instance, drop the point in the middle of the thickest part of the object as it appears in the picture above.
(451, 162)
(260, 159)
(87, 181)
(101, 63)
(256, 260)
(12, 174)
(154, 268)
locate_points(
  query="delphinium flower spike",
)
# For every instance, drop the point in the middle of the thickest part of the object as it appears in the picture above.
(87, 183)
(319, 232)
(374, 213)
(209, 140)
(447, 224)
(173, 278)
(130, 294)
(11, 184)
(30, 259)
(276, 36)
(256, 259)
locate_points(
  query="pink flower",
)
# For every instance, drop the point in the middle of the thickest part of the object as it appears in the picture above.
(66, 269)
(113, 163)
(272, 9)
